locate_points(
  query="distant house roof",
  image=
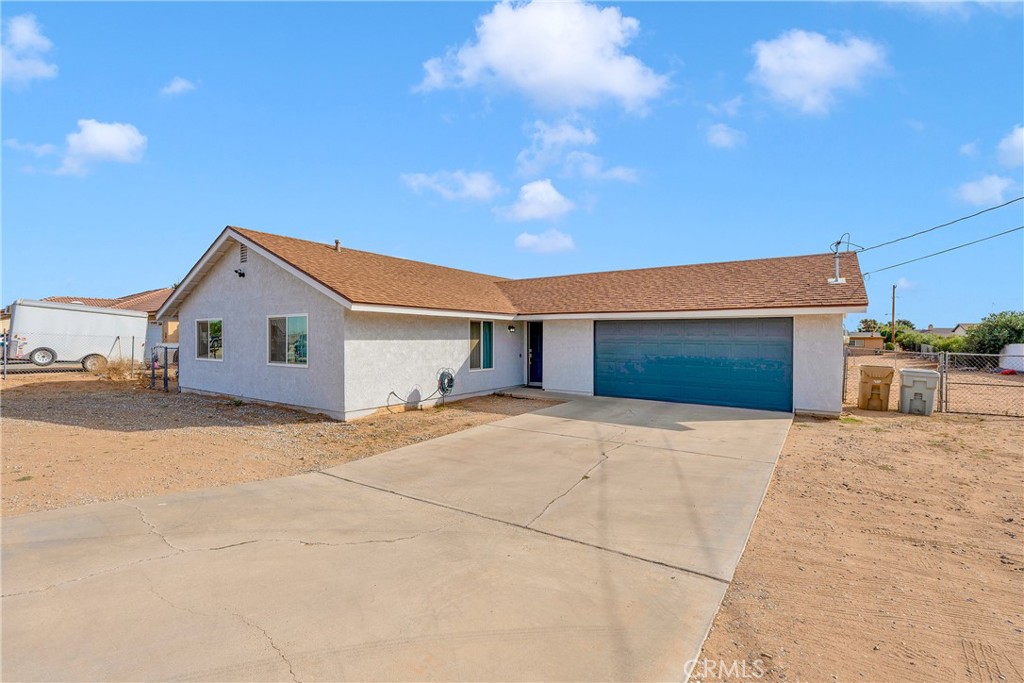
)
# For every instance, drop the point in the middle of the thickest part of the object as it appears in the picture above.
(372, 279)
(149, 301)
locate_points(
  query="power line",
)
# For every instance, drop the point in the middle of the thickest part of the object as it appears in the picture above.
(944, 225)
(945, 251)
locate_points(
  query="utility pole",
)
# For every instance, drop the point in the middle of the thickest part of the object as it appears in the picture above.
(892, 325)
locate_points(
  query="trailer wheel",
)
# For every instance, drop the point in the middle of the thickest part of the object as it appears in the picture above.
(43, 356)
(94, 362)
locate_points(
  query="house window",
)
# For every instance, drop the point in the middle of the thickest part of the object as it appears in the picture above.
(481, 344)
(857, 342)
(287, 334)
(210, 339)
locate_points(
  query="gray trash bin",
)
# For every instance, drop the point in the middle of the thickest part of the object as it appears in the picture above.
(917, 391)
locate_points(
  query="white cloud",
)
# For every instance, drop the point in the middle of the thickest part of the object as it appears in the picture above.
(805, 70)
(558, 145)
(38, 150)
(591, 167)
(725, 137)
(1011, 148)
(904, 283)
(985, 191)
(561, 54)
(969, 149)
(549, 242)
(453, 185)
(538, 200)
(24, 49)
(95, 142)
(730, 108)
(548, 143)
(177, 86)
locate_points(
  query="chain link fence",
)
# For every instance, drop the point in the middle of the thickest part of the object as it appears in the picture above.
(981, 384)
(31, 352)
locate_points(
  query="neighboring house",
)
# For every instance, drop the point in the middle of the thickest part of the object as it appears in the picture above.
(865, 340)
(345, 332)
(149, 301)
(959, 331)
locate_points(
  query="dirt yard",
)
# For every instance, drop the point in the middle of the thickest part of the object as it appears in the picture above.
(75, 439)
(889, 548)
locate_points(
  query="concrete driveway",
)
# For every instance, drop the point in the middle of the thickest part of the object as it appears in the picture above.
(592, 540)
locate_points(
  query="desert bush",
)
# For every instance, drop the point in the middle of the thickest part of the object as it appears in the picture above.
(996, 331)
(119, 370)
(912, 341)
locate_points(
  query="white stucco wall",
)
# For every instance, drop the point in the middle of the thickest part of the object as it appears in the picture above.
(569, 356)
(818, 364)
(404, 353)
(244, 304)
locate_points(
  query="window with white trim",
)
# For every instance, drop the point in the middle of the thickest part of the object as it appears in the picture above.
(287, 335)
(481, 344)
(210, 339)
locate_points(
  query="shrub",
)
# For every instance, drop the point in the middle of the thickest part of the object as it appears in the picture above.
(996, 331)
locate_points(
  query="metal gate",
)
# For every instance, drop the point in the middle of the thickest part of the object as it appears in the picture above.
(971, 383)
(983, 384)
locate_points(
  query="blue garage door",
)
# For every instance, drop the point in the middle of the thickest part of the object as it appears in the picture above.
(746, 363)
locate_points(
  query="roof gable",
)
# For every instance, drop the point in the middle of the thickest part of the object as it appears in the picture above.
(366, 278)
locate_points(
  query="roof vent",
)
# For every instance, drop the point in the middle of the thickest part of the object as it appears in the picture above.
(243, 253)
(337, 245)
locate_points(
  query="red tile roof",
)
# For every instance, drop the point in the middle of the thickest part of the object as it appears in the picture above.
(149, 301)
(367, 278)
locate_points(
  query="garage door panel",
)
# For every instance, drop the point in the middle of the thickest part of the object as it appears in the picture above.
(732, 362)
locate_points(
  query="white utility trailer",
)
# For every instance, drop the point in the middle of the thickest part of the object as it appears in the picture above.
(45, 332)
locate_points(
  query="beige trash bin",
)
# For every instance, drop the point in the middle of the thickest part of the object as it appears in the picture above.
(917, 391)
(875, 383)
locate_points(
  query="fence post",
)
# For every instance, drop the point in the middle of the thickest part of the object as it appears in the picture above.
(6, 342)
(152, 373)
(165, 370)
(131, 368)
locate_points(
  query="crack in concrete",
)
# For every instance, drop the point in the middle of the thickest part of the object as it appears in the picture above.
(90, 576)
(152, 527)
(586, 475)
(180, 551)
(278, 650)
(248, 622)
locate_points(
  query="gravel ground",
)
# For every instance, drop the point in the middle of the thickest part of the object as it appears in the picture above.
(78, 440)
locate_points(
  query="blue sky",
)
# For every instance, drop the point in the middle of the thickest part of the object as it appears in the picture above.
(519, 140)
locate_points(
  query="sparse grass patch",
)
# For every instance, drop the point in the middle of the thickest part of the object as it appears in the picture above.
(27, 477)
(849, 420)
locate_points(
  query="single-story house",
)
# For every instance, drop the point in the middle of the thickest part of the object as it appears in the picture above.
(865, 340)
(344, 332)
(959, 331)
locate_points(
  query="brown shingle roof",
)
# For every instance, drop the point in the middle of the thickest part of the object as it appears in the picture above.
(367, 278)
(149, 301)
(788, 282)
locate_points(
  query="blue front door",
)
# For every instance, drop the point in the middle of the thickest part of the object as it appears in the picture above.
(741, 362)
(535, 352)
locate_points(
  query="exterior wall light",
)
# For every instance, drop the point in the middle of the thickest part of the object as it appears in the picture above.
(511, 329)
